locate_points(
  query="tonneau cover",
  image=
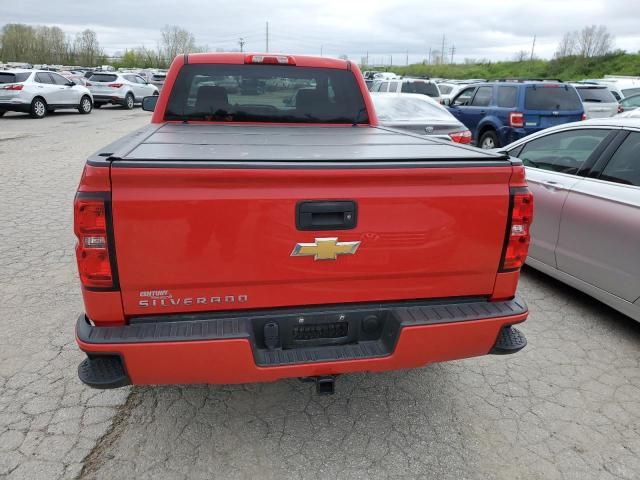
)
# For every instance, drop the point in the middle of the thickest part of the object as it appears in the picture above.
(266, 143)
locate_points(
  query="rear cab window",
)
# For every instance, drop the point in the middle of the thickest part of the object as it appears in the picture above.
(266, 93)
(551, 97)
(596, 95)
(103, 77)
(7, 77)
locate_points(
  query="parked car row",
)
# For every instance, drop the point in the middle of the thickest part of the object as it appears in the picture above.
(39, 92)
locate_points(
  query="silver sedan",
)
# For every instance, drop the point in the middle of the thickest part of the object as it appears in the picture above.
(585, 177)
(418, 113)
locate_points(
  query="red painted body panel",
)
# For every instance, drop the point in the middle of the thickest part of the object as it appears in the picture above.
(231, 361)
(202, 233)
(95, 179)
(505, 287)
(103, 308)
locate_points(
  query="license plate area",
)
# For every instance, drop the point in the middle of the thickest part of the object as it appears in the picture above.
(322, 329)
(319, 331)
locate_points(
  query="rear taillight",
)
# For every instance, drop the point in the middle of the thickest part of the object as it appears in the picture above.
(516, 119)
(461, 137)
(115, 85)
(13, 87)
(584, 116)
(88, 84)
(518, 233)
(91, 225)
(620, 109)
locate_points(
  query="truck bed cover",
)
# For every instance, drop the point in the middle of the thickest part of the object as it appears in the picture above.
(253, 143)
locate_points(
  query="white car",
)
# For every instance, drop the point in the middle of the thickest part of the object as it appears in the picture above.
(38, 92)
(407, 85)
(124, 89)
(620, 87)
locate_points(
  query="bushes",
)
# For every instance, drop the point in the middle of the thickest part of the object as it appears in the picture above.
(567, 68)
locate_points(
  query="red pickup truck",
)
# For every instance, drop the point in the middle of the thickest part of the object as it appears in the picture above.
(263, 226)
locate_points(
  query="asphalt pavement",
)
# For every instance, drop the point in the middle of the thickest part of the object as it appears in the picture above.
(566, 407)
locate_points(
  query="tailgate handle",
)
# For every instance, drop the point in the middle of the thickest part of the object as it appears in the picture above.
(326, 215)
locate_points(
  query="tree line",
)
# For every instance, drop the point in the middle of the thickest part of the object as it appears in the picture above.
(52, 45)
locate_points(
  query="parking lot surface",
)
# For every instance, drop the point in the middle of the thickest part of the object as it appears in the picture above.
(566, 407)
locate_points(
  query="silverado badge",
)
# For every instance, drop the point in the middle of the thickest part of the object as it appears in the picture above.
(325, 249)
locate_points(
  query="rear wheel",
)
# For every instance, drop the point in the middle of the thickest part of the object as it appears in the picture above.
(97, 105)
(129, 101)
(38, 108)
(489, 140)
(2, 112)
(85, 105)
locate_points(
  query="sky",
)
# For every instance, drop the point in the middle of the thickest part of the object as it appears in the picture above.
(389, 31)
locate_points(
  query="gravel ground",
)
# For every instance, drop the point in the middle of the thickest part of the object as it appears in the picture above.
(566, 407)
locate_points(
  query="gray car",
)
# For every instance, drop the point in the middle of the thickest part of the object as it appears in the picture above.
(585, 177)
(418, 113)
(597, 100)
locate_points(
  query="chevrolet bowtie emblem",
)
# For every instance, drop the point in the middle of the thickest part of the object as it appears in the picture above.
(325, 249)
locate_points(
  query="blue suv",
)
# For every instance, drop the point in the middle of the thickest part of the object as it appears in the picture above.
(498, 113)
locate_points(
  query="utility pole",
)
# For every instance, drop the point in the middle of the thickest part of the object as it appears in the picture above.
(367, 58)
(241, 42)
(533, 47)
(442, 57)
(407, 58)
(429, 56)
(391, 56)
(453, 50)
(321, 49)
(267, 38)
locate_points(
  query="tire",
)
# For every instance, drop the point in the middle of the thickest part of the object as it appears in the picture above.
(85, 106)
(97, 105)
(156, 93)
(129, 102)
(489, 139)
(38, 108)
(2, 112)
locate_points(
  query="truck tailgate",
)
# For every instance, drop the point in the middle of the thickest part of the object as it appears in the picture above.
(219, 233)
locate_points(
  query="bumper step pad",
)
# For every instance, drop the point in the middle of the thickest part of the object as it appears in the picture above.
(103, 372)
(510, 340)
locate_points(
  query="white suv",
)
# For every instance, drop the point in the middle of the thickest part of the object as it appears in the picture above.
(39, 92)
(408, 85)
(124, 89)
